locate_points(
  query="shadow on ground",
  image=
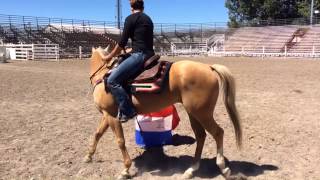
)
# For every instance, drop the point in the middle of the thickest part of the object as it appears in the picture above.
(157, 163)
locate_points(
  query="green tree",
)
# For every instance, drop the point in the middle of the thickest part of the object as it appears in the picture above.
(251, 11)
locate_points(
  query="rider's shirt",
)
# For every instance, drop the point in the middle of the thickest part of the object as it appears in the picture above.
(139, 28)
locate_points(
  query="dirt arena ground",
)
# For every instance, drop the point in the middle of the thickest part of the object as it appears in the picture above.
(47, 119)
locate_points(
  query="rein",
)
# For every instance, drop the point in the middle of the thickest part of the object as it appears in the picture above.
(103, 66)
(95, 73)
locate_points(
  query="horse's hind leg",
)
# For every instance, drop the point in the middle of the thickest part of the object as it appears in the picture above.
(200, 134)
(217, 132)
(103, 126)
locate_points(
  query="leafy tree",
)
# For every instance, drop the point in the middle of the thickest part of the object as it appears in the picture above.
(253, 11)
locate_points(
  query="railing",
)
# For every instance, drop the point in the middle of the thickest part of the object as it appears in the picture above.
(279, 22)
(33, 51)
(178, 49)
(37, 22)
(266, 51)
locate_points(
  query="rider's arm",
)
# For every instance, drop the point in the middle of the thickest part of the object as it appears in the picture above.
(115, 52)
(124, 39)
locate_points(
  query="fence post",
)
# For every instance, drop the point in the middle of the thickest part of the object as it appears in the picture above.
(89, 25)
(201, 31)
(61, 24)
(190, 33)
(285, 50)
(72, 25)
(57, 51)
(83, 26)
(32, 50)
(24, 24)
(104, 26)
(10, 24)
(313, 50)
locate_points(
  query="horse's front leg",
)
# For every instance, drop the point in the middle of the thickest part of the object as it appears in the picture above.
(103, 126)
(118, 131)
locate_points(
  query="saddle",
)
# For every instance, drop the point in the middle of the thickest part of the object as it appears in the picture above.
(151, 79)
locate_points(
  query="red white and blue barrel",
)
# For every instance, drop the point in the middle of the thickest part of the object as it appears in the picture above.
(155, 129)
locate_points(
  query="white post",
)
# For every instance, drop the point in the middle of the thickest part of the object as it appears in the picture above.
(32, 50)
(45, 51)
(313, 50)
(57, 51)
(285, 50)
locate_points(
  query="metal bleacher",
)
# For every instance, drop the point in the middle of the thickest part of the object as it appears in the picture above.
(185, 39)
(69, 34)
(74, 37)
(270, 39)
(308, 44)
(286, 41)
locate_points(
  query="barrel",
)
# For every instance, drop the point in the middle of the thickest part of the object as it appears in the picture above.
(155, 129)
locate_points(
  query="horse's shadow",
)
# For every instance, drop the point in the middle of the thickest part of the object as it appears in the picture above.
(156, 162)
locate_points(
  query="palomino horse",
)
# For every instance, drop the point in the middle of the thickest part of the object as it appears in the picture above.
(195, 85)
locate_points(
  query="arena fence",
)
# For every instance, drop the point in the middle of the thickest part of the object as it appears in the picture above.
(33, 51)
(192, 48)
(313, 52)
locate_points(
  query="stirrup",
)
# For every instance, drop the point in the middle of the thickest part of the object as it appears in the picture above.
(123, 118)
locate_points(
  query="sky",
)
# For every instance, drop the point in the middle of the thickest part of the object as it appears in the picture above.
(161, 11)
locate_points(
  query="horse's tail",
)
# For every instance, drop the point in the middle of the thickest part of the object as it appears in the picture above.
(227, 83)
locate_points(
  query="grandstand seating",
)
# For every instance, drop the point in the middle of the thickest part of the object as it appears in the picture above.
(169, 39)
(68, 34)
(270, 39)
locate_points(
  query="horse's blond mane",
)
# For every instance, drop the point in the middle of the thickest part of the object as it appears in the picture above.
(101, 52)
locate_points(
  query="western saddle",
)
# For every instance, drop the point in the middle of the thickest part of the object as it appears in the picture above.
(153, 77)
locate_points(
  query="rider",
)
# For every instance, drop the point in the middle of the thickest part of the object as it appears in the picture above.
(139, 28)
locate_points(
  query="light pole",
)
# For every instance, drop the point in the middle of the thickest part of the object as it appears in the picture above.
(316, 12)
(311, 12)
(118, 13)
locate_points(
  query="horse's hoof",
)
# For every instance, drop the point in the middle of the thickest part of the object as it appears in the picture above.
(187, 174)
(226, 172)
(123, 177)
(87, 159)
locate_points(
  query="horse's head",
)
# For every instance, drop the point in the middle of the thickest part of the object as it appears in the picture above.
(99, 62)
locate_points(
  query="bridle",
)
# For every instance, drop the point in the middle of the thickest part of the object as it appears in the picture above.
(103, 66)
(95, 73)
(105, 62)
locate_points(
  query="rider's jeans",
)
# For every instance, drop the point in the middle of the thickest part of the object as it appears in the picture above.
(121, 74)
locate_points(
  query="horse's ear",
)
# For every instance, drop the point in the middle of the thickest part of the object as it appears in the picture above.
(93, 49)
(107, 49)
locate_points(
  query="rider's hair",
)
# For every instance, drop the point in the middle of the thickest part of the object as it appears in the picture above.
(137, 4)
